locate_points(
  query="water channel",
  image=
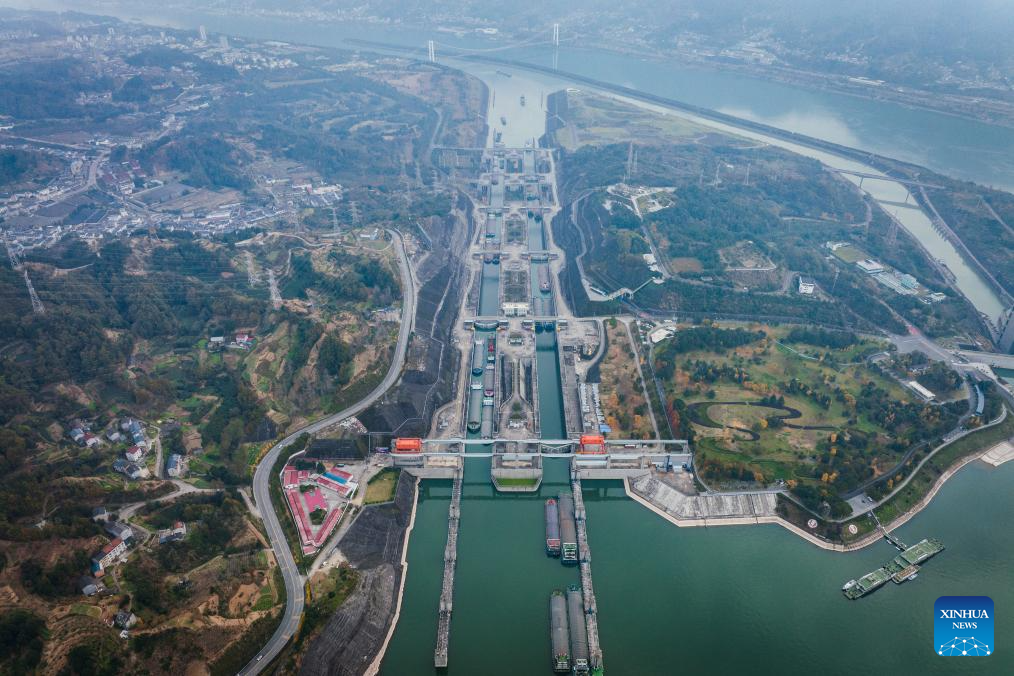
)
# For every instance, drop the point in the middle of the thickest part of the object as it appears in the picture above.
(724, 600)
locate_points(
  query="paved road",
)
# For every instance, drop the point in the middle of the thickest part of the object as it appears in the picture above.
(294, 591)
(182, 488)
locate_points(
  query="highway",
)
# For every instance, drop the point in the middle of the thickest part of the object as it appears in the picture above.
(294, 590)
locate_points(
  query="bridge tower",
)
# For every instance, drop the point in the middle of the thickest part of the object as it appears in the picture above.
(432, 51)
(556, 35)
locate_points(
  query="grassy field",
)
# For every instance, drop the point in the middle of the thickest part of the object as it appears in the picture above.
(520, 481)
(736, 433)
(600, 120)
(382, 486)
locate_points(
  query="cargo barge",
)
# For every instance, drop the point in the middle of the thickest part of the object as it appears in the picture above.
(488, 381)
(478, 360)
(552, 528)
(486, 427)
(578, 630)
(559, 632)
(568, 531)
(490, 350)
(474, 410)
(902, 568)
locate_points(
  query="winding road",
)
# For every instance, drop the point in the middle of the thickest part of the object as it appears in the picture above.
(294, 590)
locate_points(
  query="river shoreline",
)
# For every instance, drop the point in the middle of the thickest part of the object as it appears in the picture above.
(862, 543)
(374, 667)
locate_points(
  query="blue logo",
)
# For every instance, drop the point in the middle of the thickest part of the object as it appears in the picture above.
(963, 626)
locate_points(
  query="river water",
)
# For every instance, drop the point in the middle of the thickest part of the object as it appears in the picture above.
(955, 146)
(723, 600)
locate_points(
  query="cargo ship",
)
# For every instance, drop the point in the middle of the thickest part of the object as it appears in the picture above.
(486, 426)
(578, 630)
(475, 410)
(478, 362)
(902, 568)
(544, 279)
(552, 528)
(568, 531)
(488, 381)
(559, 632)
(522, 99)
(491, 349)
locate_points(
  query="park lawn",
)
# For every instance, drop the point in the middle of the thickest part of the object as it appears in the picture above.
(381, 487)
(772, 469)
(517, 481)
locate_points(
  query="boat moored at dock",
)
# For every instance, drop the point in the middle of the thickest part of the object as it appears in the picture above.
(568, 531)
(902, 568)
(578, 630)
(559, 632)
(552, 528)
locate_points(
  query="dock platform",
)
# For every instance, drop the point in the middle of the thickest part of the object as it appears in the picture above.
(587, 589)
(902, 568)
(450, 562)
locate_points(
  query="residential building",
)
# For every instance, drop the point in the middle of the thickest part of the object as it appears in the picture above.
(89, 586)
(108, 555)
(118, 529)
(174, 466)
(174, 534)
(134, 453)
(125, 619)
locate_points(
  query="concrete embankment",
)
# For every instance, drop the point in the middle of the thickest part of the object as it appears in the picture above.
(354, 637)
(675, 508)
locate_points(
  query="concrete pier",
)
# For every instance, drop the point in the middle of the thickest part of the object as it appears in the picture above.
(587, 590)
(450, 561)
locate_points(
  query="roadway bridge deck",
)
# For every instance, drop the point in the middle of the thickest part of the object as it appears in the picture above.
(447, 587)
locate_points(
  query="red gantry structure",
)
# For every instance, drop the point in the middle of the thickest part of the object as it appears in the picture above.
(592, 444)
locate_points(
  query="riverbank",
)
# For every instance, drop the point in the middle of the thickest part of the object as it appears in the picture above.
(354, 638)
(374, 667)
(1004, 451)
(999, 113)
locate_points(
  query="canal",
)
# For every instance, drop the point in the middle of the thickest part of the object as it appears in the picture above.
(736, 599)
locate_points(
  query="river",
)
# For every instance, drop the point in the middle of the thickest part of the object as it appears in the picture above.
(723, 600)
(954, 146)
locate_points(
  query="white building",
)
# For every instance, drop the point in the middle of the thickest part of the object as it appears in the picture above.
(807, 285)
(869, 266)
(921, 391)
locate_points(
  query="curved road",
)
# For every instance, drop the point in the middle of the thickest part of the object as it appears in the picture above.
(294, 592)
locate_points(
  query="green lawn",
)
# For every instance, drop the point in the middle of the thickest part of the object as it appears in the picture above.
(382, 486)
(523, 481)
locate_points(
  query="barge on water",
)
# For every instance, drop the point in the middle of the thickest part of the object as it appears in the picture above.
(902, 568)
(568, 531)
(578, 630)
(552, 528)
(478, 357)
(559, 632)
